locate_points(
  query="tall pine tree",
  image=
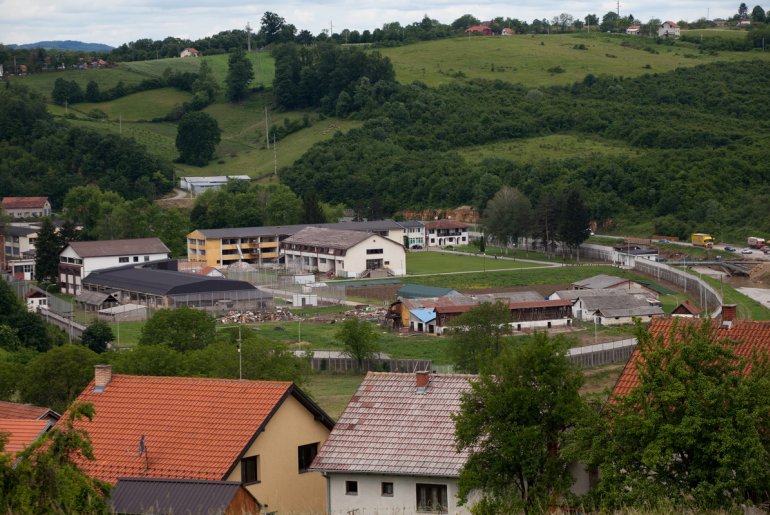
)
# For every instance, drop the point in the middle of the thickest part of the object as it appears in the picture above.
(47, 249)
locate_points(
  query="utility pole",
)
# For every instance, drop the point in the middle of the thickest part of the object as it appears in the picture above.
(267, 131)
(275, 157)
(248, 36)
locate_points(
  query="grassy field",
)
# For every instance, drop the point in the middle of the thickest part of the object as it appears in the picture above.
(748, 308)
(142, 106)
(437, 263)
(545, 60)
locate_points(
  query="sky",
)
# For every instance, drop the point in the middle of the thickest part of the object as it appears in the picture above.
(114, 22)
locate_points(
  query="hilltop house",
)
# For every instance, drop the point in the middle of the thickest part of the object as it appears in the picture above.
(189, 52)
(393, 449)
(80, 258)
(262, 434)
(634, 30)
(668, 29)
(26, 207)
(480, 29)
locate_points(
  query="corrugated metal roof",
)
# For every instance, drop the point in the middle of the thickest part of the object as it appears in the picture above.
(163, 282)
(608, 302)
(388, 427)
(417, 291)
(134, 246)
(424, 315)
(174, 496)
(575, 294)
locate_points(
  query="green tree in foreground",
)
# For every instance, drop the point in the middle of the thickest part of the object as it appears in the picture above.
(359, 339)
(56, 377)
(44, 478)
(97, 335)
(695, 430)
(240, 72)
(515, 422)
(181, 329)
(478, 336)
(197, 137)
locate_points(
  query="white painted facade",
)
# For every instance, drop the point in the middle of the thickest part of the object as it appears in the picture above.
(668, 29)
(36, 303)
(73, 267)
(369, 498)
(372, 253)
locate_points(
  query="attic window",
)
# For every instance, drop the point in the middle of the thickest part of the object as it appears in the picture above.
(250, 470)
(305, 455)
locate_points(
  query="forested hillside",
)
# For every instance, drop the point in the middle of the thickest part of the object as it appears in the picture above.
(700, 138)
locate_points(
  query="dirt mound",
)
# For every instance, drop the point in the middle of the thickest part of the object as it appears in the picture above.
(760, 274)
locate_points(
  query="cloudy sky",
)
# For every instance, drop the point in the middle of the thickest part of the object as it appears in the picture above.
(118, 21)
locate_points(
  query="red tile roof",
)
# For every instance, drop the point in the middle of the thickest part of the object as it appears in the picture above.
(445, 224)
(193, 428)
(21, 432)
(686, 307)
(390, 428)
(27, 411)
(24, 202)
(749, 334)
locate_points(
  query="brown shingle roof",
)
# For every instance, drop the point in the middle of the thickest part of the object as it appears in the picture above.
(331, 238)
(103, 248)
(27, 411)
(193, 428)
(24, 202)
(749, 334)
(389, 428)
(445, 224)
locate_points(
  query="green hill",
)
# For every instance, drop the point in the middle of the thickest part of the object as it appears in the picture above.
(545, 60)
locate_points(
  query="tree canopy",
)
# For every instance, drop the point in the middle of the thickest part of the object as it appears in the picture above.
(197, 137)
(515, 422)
(181, 329)
(359, 339)
(479, 336)
(240, 73)
(694, 431)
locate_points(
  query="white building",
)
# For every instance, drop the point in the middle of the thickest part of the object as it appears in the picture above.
(668, 29)
(614, 309)
(393, 449)
(442, 233)
(197, 185)
(414, 232)
(26, 207)
(341, 253)
(80, 258)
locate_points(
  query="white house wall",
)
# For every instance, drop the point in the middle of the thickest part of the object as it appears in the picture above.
(370, 501)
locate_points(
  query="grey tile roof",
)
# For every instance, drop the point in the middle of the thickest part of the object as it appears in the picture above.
(598, 282)
(189, 497)
(251, 232)
(620, 306)
(575, 294)
(390, 428)
(632, 312)
(510, 296)
(329, 238)
(103, 248)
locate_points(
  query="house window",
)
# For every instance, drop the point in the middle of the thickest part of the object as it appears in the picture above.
(146, 258)
(250, 470)
(387, 489)
(123, 259)
(374, 251)
(351, 487)
(136, 259)
(431, 498)
(305, 455)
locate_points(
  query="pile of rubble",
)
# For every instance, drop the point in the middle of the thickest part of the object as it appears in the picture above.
(362, 312)
(253, 317)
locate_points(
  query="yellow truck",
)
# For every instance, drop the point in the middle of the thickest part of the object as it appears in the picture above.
(700, 239)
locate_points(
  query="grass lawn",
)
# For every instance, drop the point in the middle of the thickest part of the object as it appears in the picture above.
(519, 253)
(126, 333)
(145, 105)
(748, 308)
(333, 391)
(439, 262)
(546, 60)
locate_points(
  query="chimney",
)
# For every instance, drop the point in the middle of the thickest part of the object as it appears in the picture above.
(102, 377)
(423, 378)
(729, 313)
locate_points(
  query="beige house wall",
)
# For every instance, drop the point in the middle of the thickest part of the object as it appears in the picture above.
(281, 487)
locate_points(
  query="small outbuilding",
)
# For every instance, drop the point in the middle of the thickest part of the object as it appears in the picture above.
(123, 313)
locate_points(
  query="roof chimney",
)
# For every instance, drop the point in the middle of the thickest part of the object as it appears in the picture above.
(729, 313)
(423, 378)
(102, 377)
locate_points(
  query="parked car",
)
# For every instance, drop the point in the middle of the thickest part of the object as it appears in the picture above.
(729, 249)
(416, 247)
(746, 251)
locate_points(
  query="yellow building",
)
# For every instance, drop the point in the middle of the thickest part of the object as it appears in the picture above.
(263, 434)
(222, 247)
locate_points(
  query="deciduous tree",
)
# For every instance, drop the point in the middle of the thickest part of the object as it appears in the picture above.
(694, 430)
(197, 137)
(182, 329)
(97, 335)
(479, 336)
(240, 72)
(56, 377)
(359, 339)
(515, 422)
(508, 216)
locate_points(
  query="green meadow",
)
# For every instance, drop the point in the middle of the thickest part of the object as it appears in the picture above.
(418, 263)
(547, 60)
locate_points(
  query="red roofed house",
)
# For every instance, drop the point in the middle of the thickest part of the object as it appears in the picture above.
(393, 449)
(686, 309)
(20, 433)
(668, 29)
(263, 434)
(440, 233)
(479, 29)
(26, 207)
(507, 32)
(634, 30)
(27, 411)
(189, 52)
(749, 334)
